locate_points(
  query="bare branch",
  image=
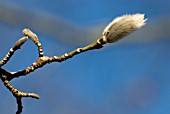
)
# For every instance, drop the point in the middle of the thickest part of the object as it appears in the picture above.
(17, 46)
(15, 91)
(126, 24)
(20, 107)
(35, 39)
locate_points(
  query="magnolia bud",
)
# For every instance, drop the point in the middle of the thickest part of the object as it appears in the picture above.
(122, 26)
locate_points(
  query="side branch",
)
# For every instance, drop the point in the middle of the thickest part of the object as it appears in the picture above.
(35, 39)
(16, 93)
(47, 60)
(17, 46)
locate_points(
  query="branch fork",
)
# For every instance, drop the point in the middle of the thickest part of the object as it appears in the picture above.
(6, 76)
(116, 30)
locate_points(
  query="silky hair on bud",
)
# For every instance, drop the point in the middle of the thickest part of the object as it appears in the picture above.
(122, 26)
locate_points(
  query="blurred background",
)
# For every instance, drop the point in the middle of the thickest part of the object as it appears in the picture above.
(129, 77)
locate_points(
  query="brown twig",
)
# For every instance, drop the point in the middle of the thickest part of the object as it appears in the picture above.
(42, 60)
(20, 107)
(35, 39)
(17, 46)
(117, 29)
(16, 93)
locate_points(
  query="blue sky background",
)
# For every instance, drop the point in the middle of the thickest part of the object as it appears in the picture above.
(128, 77)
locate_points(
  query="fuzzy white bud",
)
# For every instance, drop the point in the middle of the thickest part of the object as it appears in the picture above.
(122, 26)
